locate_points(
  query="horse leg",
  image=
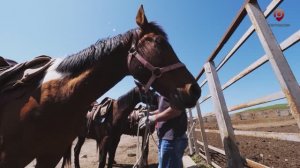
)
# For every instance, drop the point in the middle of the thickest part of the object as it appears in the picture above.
(144, 152)
(67, 157)
(47, 161)
(112, 151)
(14, 161)
(105, 145)
(9, 160)
(77, 149)
(12, 155)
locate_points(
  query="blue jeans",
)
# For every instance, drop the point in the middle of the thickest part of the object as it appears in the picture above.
(170, 152)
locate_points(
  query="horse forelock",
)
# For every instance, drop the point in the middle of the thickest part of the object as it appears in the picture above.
(157, 29)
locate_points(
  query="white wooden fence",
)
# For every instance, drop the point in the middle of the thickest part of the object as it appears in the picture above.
(290, 89)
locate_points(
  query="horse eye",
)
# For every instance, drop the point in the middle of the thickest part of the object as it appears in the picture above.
(150, 39)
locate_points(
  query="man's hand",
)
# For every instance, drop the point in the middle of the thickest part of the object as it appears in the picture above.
(141, 115)
(143, 121)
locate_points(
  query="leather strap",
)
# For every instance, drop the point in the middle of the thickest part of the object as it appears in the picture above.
(157, 72)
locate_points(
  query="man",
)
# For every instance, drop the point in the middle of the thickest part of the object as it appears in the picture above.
(171, 125)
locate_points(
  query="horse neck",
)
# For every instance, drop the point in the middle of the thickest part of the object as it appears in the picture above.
(102, 74)
(127, 102)
(93, 86)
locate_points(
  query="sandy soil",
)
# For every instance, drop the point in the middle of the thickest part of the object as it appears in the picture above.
(125, 155)
(273, 153)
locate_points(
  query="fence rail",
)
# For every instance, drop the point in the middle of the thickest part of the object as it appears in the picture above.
(289, 42)
(249, 162)
(295, 137)
(274, 55)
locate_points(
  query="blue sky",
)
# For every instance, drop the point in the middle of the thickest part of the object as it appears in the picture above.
(59, 28)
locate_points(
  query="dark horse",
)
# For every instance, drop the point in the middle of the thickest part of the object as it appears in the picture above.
(41, 118)
(118, 120)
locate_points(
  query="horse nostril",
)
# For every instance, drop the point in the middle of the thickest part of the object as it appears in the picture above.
(194, 90)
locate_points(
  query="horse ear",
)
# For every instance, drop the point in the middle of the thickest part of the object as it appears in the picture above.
(141, 19)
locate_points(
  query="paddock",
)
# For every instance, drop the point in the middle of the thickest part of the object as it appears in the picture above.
(230, 140)
(125, 155)
(229, 135)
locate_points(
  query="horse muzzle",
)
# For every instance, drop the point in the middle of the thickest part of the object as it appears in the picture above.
(186, 97)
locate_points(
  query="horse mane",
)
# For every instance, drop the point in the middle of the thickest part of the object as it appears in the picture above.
(85, 58)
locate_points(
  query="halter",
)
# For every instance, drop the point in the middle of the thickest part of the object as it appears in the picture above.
(156, 72)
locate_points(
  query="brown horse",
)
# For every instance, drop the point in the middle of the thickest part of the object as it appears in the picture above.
(118, 120)
(41, 118)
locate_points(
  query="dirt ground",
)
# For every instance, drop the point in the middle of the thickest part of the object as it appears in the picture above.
(125, 155)
(273, 153)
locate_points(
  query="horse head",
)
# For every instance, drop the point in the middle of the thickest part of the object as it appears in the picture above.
(153, 62)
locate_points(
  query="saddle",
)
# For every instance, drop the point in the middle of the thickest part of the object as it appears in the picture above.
(13, 74)
(133, 120)
(6, 62)
(134, 115)
(100, 111)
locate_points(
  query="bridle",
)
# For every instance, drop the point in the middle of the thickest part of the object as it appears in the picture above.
(156, 72)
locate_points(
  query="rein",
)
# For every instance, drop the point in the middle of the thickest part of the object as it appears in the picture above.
(146, 133)
(156, 72)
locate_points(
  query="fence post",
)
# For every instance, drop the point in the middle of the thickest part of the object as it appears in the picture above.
(203, 134)
(223, 118)
(193, 131)
(277, 60)
(191, 148)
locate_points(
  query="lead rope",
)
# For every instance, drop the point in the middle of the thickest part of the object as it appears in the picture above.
(138, 162)
(154, 140)
(139, 156)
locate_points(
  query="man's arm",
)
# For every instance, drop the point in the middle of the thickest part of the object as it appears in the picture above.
(167, 114)
(153, 112)
(157, 116)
